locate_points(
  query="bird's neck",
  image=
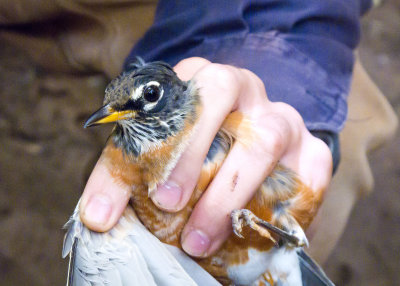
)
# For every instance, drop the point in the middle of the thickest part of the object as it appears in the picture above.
(153, 164)
(136, 138)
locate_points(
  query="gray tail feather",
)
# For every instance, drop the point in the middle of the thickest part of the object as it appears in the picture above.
(311, 273)
(71, 264)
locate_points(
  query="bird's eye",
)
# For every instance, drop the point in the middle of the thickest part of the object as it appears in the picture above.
(151, 93)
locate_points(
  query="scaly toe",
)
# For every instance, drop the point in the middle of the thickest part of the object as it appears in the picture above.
(237, 223)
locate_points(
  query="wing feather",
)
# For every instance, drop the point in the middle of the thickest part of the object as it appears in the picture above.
(127, 255)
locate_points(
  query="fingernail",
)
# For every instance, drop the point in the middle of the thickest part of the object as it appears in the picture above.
(196, 243)
(98, 209)
(167, 195)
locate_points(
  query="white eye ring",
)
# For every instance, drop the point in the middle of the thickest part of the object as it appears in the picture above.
(137, 92)
(150, 105)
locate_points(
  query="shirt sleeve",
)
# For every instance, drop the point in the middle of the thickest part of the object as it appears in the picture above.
(301, 49)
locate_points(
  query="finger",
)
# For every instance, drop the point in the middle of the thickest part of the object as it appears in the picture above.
(218, 99)
(314, 162)
(103, 199)
(235, 184)
(187, 68)
(307, 155)
(278, 128)
(232, 188)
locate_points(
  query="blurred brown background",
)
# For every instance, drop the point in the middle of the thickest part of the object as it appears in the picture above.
(46, 156)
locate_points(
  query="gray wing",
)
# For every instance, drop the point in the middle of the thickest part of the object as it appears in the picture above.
(126, 255)
(311, 273)
(196, 272)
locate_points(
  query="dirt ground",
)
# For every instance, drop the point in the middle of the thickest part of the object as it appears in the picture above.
(46, 156)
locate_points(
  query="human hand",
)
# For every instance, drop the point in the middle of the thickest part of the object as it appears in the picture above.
(283, 137)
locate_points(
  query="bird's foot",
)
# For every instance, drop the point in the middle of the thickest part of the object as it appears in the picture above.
(245, 217)
(294, 236)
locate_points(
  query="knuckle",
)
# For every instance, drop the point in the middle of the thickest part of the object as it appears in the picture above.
(223, 77)
(274, 133)
(287, 111)
(192, 62)
(274, 141)
(289, 120)
(255, 80)
(195, 60)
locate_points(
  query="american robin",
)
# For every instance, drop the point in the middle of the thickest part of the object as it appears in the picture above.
(155, 113)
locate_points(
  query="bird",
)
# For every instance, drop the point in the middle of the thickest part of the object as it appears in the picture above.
(154, 114)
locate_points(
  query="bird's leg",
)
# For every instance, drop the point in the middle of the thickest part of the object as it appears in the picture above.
(288, 223)
(244, 217)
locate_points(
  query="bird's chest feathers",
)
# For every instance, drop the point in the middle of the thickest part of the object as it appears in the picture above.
(282, 265)
(149, 168)
(143, 173)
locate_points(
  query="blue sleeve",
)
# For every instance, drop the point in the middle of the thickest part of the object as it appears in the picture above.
(301, 49)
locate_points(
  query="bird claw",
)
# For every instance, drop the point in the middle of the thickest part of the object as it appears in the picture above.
(238, 233)
(294, 238)
(244, 217)
(237, 223)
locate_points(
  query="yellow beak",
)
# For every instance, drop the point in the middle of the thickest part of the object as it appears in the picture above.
(107, 114)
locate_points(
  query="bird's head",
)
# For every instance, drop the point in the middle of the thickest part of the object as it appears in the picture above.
(149, 103)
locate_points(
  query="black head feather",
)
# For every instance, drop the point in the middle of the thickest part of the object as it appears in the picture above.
(159, 113)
